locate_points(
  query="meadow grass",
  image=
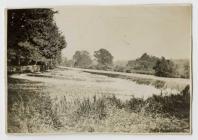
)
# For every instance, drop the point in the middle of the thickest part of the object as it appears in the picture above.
(145, 81)
(32, 111)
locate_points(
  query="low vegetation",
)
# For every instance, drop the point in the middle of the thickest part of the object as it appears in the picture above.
(32, 111)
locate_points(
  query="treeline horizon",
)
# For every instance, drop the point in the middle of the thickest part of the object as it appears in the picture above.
(145, 64)
(35, 39)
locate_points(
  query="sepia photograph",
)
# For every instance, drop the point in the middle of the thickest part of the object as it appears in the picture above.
(118, 69)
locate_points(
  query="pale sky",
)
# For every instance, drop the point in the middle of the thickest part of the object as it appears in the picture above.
(127, 31)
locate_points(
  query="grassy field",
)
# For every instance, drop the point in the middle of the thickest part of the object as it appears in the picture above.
(63, 100)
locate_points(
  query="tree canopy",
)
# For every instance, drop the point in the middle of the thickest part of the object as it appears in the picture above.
(145, 63)
(33, 36)
(103, 57)
(82, 59)
(164, 68)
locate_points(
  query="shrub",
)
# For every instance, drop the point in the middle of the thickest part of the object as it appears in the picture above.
(134, 104)
(174, 105)
(113, 101)
(164, 68)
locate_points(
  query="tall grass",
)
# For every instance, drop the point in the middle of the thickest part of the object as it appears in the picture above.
(30, 111)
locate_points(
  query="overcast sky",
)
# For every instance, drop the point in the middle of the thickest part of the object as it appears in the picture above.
(127, 31)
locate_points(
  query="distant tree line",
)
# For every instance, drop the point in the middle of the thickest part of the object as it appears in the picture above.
(82, 59)
(146, 64)
(33, 38)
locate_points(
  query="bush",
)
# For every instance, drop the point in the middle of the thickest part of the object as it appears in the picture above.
(173, 105)
(134, 104)
(164, 68)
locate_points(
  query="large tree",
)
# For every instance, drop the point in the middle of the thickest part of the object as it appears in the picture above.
(82, 59)
(104, 58)
(164, 68)
(143, 64)
(33, 36)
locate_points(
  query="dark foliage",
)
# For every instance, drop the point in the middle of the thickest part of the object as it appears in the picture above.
(144, 64)
(104, 59)
(164, 68)
(33, 37)
(174, 105)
